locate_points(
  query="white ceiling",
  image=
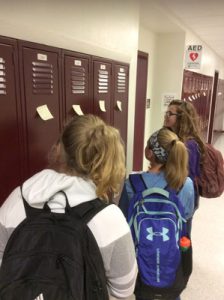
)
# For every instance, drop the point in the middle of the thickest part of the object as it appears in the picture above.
(205, 18)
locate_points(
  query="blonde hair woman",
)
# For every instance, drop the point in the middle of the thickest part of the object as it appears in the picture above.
(87, 162)
(168, 167)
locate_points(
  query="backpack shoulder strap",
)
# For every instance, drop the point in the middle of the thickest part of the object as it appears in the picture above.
(87, 210)
(29, 210)
(33, 212)
(137, 182)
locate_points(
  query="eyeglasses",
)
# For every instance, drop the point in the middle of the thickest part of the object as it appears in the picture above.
(169, 114)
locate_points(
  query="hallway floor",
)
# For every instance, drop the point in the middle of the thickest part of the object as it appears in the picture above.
(206, 281)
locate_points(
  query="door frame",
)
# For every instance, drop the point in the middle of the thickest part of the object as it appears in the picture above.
(140, 107)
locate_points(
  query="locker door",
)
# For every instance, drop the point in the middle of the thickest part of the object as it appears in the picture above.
(10, 120)
(102, 89)
(42, 103)
(78, 98)
(120, 101)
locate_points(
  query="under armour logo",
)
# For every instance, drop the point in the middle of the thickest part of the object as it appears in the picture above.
(151, 234)
(40, 297)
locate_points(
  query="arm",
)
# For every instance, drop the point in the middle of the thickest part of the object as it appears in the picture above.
(123, 268)
(12, 212)
(124, 202)
(186, 195)
(113, 236)
(194, 159)
(3, 240)
(126, 195)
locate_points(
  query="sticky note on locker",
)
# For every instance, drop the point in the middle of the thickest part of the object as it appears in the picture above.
(44, 112)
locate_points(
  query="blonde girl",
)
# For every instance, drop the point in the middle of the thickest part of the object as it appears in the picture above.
(87, 162)
(168, 158)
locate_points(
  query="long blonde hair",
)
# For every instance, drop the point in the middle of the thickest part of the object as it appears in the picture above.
(92, 150)
(175, 163)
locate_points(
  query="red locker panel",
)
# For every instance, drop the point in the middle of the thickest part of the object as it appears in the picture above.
(77, 84)
(40, 74)
(197, 88)
(120, 101)
(102, 89)
(140, 105)
(10, 120)
(219, 108)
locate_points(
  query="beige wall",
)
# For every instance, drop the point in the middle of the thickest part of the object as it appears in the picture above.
(165, 72)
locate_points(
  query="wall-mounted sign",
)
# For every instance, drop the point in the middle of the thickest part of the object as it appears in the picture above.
(166, 99)
(193, 57)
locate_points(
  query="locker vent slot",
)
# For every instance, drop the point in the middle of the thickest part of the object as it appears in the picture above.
(43, 79)
(121, 82)
(2, 77)
(78, 80)
(103, 84)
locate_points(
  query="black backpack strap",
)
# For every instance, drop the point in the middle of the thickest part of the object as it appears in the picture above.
(32, 211)
(137, 182)
(29, 210)
(87, 210)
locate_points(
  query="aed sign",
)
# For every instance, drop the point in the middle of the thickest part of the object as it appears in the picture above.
(193, 57)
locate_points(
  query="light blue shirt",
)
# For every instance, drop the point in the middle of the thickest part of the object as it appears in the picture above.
(186, 194)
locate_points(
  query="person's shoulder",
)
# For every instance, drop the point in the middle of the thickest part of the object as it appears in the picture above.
(109, 225)
(191, 143)
(12, 210)
(150, 178)
(188, 185)
(188, 181)
(111, 215)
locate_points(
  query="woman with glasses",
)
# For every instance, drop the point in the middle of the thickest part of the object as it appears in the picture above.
(182, 118)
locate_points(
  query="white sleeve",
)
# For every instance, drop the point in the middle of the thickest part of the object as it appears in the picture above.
(12, 212)
(113, 236)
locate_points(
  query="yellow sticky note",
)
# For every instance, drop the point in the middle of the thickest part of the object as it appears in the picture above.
(77, 109)
(119, 105)
(102, 105)
(44, 112)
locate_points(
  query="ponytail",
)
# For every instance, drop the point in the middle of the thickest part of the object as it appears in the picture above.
(176, 169)
(176, 165)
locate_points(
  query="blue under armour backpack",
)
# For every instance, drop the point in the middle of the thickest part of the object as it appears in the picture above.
(156, 219)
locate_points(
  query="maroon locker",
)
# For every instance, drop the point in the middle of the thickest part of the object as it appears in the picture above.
(120, 101)
(10, 120)
(102, 89)
(197, 89)
(40, 77)
(77, 84)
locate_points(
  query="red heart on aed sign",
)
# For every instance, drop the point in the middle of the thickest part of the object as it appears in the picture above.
(193, 56)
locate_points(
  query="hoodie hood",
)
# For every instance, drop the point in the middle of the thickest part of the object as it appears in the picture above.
(46, 186)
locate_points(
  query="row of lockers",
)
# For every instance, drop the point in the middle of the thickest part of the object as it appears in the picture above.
(197, 88)
(219, 107)
(40, 88)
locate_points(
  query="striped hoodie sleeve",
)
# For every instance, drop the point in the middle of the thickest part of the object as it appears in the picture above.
(113, 236)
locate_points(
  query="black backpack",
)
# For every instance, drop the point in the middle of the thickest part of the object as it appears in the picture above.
(54, 256)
